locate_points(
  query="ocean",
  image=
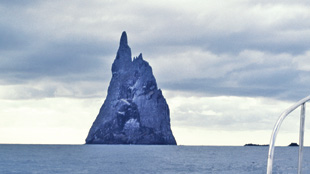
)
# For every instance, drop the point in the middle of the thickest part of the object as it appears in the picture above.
(146, 159)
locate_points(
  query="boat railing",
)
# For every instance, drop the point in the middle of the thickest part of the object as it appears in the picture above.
(276, 128)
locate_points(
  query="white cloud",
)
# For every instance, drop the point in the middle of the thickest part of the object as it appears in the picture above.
(225, 112)
(228, 120)
(48, 88)
(195, 120)
(52, 120)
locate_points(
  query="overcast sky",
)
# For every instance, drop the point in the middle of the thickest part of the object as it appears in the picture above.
(227, 68)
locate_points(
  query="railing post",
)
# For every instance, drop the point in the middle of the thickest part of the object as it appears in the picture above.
(276, 128)
(301, 137)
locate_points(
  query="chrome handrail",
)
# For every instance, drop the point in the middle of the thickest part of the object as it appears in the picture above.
(276, 128)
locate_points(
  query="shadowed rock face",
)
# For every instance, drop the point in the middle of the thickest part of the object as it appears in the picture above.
(135, 111)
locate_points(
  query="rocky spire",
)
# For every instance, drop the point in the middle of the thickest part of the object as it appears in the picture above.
(135, 111)
(122, 61)
(123, 40)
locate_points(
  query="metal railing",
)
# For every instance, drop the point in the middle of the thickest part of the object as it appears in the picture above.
(276, 128)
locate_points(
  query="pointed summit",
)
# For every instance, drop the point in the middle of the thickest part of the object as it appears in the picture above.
(122, 60)
(140, 56)
(123, 40)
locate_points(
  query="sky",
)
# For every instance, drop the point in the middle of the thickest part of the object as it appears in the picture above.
(227, 69)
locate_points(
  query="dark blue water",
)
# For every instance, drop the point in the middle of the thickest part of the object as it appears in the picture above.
(93, 159)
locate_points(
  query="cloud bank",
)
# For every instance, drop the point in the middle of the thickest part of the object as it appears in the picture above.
(205, 49)
(234, 48)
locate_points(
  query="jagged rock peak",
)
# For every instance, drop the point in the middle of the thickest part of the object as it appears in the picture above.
(123, 61)
(138, 57)
(124, 40)
(135, 110)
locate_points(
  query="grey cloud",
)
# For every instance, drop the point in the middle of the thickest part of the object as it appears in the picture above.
(254, 74)
(263, 77)
(281, 85)
(60, 59)
(215, 87)
(17, 3)
(232, 43)
(253, 29)
(80, 44)
(12, 38)
(237, 42)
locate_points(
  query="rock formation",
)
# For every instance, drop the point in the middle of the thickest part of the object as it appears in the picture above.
(134, 111)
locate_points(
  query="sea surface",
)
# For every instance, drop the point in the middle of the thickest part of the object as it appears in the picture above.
(144, 159)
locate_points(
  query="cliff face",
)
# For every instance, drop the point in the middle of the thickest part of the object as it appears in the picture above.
(135, 111)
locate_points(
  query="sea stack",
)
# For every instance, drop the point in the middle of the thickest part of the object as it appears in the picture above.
(135, 110)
